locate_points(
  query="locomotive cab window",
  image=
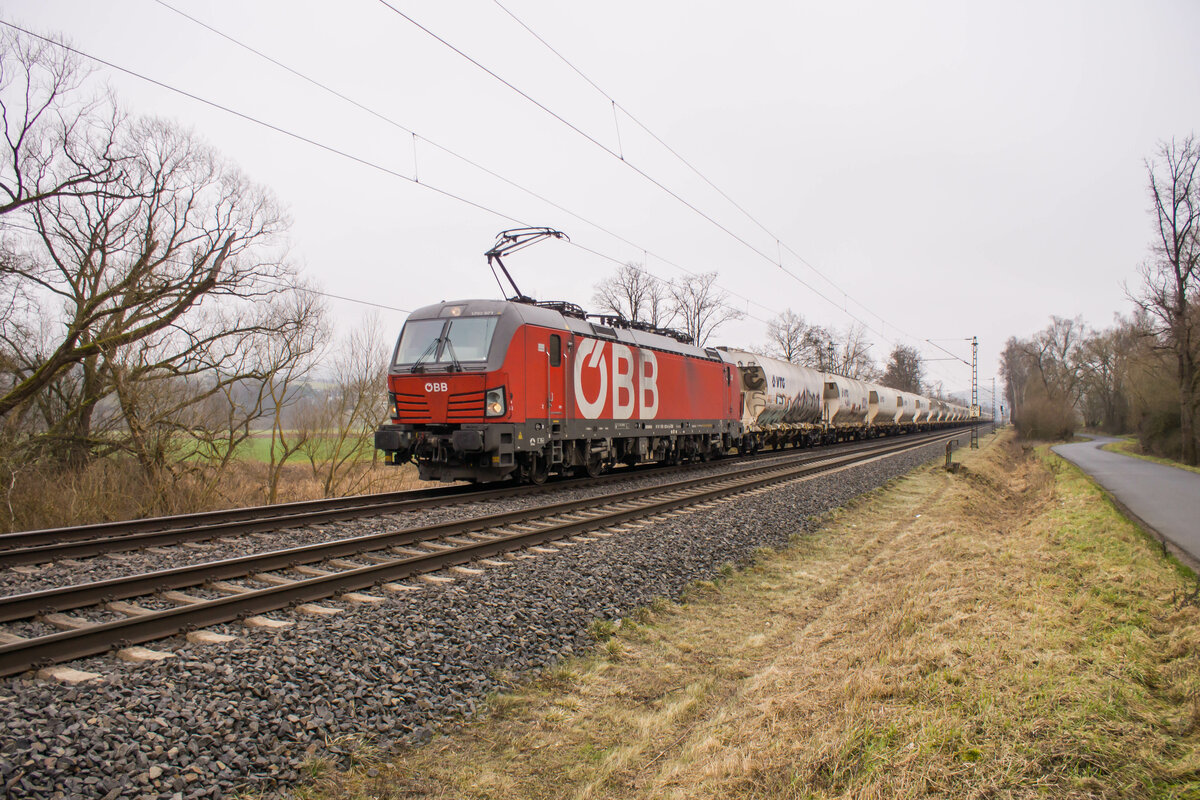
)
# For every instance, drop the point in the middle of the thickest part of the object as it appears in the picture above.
(470, 338)
(420, 336)
(555, 350)
(445, 341)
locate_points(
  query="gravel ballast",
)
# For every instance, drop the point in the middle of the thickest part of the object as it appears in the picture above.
(250, 714)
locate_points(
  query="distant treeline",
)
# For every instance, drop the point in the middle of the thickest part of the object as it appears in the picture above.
(1139, 376)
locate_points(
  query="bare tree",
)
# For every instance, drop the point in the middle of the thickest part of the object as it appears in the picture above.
(827, 349)
(342, 423)
(904, 370)
(819, 348)
(787, 338)
(1044, 378)
(293, 357)
(701, 306)
(1106, 362)
(636, 295)
(136, 265)
(851, 356)
(1054, 354)
(184, 406)
(1169, 280)
(1014, 369)
(58, 139)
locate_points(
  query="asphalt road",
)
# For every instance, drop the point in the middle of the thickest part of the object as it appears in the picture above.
(1165, 498)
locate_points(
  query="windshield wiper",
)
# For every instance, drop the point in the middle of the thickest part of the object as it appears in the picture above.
(416, 367)
(455, 366)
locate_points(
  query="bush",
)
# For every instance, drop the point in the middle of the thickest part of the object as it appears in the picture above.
(1046, 418)
(1159, 433)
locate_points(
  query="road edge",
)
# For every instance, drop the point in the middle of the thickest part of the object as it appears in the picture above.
(1169, 547)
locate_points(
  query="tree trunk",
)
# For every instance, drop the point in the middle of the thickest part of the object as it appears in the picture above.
(1187, 407)
(76, 450)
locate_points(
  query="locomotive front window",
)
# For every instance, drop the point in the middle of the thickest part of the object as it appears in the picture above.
(419, 338)
(470, 337)
(440, 341)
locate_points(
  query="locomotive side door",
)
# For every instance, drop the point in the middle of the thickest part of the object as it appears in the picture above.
(733, 395)
(556, 383)
(547, 376)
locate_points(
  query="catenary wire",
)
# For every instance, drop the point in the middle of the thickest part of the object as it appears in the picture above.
(707, 180)
(386, 170)
(650, 178)
(306, 140)
(617, 156)
(6, 224)
(443, 148)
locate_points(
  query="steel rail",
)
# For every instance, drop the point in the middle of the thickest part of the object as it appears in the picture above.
(214, 522)
(48, 601)
(204, 518)
(99, 638)
(43, 546)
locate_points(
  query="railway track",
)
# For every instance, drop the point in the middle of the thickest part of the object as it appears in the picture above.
(84, 541)
(283, 578)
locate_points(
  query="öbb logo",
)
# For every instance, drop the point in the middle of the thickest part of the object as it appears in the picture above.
(634, 381)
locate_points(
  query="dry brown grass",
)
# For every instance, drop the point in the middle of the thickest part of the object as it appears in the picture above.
(112, 489)
(998, 632)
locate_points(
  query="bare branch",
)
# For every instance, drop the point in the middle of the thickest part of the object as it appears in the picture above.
(701, 306)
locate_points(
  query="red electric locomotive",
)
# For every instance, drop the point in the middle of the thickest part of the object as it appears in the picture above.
(483, 390)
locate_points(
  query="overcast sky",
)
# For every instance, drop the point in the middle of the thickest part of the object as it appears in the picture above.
(956, 169)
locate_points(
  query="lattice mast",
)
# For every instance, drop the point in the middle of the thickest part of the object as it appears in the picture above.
(975, 392)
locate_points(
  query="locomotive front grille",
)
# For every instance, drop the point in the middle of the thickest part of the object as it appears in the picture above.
(412, 407)
(464, 406)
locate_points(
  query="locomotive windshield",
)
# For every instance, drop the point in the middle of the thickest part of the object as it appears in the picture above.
(442, 341)
(469, 338)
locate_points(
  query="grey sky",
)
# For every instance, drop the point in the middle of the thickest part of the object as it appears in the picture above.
(957, 168)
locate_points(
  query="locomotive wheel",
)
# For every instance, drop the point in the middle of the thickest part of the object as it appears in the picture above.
(594, 465)
(537, 470)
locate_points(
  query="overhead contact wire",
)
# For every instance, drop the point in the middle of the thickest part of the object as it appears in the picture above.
(591, 139)
(716, 188)
(631, 165)
(299, 137)
(681, 158)
(389, 120)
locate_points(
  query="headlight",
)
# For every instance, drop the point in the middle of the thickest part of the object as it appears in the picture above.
(493, 402)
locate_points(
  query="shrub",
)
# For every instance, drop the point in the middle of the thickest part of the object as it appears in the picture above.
(1046, 418)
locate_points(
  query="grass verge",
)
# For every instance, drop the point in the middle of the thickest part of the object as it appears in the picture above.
(117, 489)
(1129, 446)
(997, 632)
